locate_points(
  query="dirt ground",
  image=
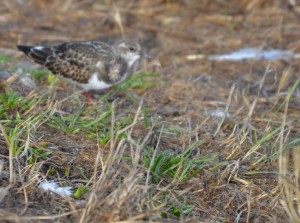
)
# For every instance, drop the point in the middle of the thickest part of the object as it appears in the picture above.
(242, 184)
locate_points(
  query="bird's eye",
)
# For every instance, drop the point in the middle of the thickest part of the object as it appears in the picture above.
(131, 49)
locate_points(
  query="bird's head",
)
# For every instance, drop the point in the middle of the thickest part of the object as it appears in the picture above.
(129, 50)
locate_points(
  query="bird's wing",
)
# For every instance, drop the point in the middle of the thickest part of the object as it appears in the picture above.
(75, 60)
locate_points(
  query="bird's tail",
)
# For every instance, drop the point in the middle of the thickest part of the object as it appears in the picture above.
(38, 53)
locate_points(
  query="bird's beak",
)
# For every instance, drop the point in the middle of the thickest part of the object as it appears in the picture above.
(146, 56)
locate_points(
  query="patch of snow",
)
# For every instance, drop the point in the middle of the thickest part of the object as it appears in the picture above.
(28, 81)
(53, 187)
(218, 114)
(254, 54)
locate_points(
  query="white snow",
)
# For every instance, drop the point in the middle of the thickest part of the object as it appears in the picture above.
(52, 186)
(254, 54)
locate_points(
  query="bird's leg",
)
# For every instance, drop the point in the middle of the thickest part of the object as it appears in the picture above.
(89, 97)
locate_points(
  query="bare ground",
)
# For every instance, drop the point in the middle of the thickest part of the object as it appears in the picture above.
(242, 184)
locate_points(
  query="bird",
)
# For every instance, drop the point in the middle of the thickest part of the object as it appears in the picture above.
(93, 65)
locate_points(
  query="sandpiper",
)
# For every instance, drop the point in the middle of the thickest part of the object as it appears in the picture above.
(94, 65)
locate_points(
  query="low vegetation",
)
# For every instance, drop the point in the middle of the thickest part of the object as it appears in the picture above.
(197, 141)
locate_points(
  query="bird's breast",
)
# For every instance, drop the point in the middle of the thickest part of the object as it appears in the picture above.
(94, 83)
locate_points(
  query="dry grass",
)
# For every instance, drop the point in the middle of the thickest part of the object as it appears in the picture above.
(150, 149)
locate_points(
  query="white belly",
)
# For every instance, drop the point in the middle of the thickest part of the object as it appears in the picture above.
(95, 84)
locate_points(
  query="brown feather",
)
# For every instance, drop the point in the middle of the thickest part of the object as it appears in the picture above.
(80, 61)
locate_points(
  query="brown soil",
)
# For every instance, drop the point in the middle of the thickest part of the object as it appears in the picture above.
(170, 31)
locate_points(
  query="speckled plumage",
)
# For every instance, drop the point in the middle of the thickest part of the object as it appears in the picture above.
(92, 64)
